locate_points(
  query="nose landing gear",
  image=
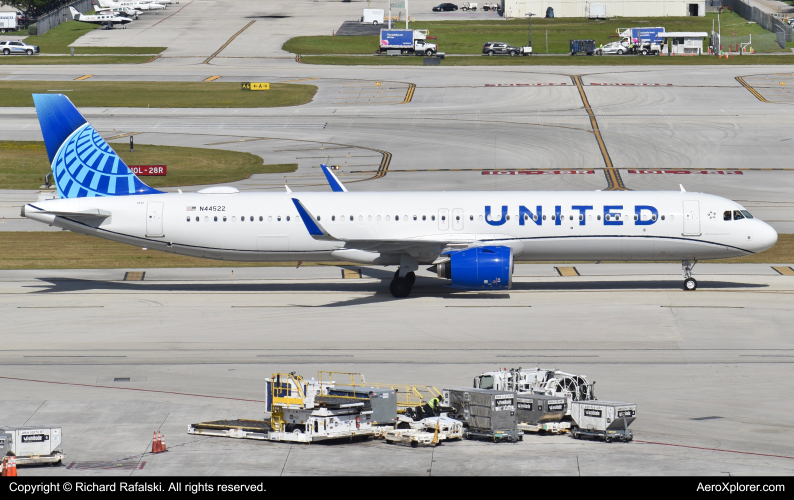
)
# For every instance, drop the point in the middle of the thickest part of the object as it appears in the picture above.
(690, 283)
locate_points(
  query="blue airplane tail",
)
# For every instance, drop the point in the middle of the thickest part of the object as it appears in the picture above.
(83, 164)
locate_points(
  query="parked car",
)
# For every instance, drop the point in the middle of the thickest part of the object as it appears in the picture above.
(445, 7)
(612, 48)
(8, 48)
(493, 48)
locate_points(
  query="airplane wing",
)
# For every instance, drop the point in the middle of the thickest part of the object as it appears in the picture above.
(318, 232)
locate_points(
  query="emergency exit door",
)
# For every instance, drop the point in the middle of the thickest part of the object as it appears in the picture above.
(154, 218)
(692, 217)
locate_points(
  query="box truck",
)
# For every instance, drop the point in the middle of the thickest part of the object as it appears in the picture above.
(8, 21)
(372, 16)
(396, 42)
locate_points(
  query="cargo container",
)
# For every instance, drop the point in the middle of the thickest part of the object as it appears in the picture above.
(32, 444)
(383, 401)
(487, 413)
(538, 408)
(607, 420)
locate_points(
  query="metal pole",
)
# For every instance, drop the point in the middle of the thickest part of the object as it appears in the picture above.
(389, 13)
(406, 14)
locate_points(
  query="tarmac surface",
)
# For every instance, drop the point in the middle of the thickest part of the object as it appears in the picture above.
(709, 370)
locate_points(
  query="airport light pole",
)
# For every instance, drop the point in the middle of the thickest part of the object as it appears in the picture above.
(530, 28)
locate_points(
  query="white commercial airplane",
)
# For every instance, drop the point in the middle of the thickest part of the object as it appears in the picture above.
(471, 238)
(132, 5)
(103, 19)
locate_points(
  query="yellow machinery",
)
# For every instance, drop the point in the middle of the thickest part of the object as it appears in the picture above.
(287, 390)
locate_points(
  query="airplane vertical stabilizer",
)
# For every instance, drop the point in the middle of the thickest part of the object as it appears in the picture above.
(83, 164)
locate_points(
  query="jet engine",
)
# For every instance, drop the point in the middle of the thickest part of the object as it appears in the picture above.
(479, 268)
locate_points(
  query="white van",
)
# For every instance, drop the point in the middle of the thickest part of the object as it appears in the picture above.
(8, 21)
(372, 16)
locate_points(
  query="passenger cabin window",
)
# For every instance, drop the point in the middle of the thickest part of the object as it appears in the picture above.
(396, 217)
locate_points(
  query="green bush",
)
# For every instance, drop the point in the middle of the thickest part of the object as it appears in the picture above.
(33, 29)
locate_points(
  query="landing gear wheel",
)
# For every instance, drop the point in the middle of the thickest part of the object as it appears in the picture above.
(411, 277)
(400, 287)
(690, 284)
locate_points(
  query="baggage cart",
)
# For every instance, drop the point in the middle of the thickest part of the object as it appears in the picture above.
(488, 414)
(607, 420)
(32, 444)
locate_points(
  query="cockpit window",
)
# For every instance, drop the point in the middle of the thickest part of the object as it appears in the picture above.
(737, 214)
(747, 214)
(486, 382)
(726, 215)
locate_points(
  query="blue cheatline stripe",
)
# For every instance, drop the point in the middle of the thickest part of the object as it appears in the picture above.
(311, 226)
(336, 186)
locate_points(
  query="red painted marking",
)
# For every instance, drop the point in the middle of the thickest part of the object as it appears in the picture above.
(536, 172)
(633, 84)
(148, 169)
(715, 449)
(131, 389)
(686, 172)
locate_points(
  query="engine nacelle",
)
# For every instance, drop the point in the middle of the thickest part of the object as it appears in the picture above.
(479, 268)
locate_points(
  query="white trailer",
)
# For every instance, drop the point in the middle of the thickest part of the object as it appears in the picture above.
(372, 16)
(8, 21)
(31, 444)
(469, 6)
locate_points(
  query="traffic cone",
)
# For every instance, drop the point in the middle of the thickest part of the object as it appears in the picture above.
(12, 467)
(155, 448)
(162, 443)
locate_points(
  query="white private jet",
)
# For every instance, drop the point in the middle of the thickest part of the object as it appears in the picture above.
(471, 238)
(126, 11)
(144, 6)
(108, 20)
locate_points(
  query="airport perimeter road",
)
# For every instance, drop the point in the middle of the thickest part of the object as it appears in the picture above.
(708, 370)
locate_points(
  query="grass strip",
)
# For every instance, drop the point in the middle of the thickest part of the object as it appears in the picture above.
(468, 37)
(552, 60)
(67, 250)
(23, 164)
(157, 94)
(59, 39)
(56, 60)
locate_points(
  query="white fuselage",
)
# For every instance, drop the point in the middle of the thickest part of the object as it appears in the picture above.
(672, 226)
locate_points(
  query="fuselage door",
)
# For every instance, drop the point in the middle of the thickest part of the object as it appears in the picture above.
(154, 218)
(457, 219)
(692, 217)
(443, 219)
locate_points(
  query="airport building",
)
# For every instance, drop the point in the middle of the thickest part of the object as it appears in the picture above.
(603, 9)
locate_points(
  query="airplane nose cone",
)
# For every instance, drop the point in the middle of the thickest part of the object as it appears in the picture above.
(767, 237)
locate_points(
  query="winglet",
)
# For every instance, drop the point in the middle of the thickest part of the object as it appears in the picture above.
(682, 188)
(316, 230)
(336, 186)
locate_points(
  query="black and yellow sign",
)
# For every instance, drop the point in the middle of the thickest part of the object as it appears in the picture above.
(256, 86)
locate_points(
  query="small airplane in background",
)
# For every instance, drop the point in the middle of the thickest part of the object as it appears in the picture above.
(121, 11)
(107, 20)
(140, 5)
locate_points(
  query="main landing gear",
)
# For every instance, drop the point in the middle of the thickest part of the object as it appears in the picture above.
(401, 287)
(690, 283)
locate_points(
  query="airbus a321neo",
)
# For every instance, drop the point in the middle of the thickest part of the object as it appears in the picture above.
(470, 238)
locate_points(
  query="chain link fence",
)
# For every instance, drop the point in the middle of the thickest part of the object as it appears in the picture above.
(51, 19)
(760, 43)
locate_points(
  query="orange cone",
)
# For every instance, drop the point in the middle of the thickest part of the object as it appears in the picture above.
(12, 468)
(162, 443)
(155, 448)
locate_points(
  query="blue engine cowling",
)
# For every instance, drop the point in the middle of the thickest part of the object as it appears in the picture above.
(480, 268)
